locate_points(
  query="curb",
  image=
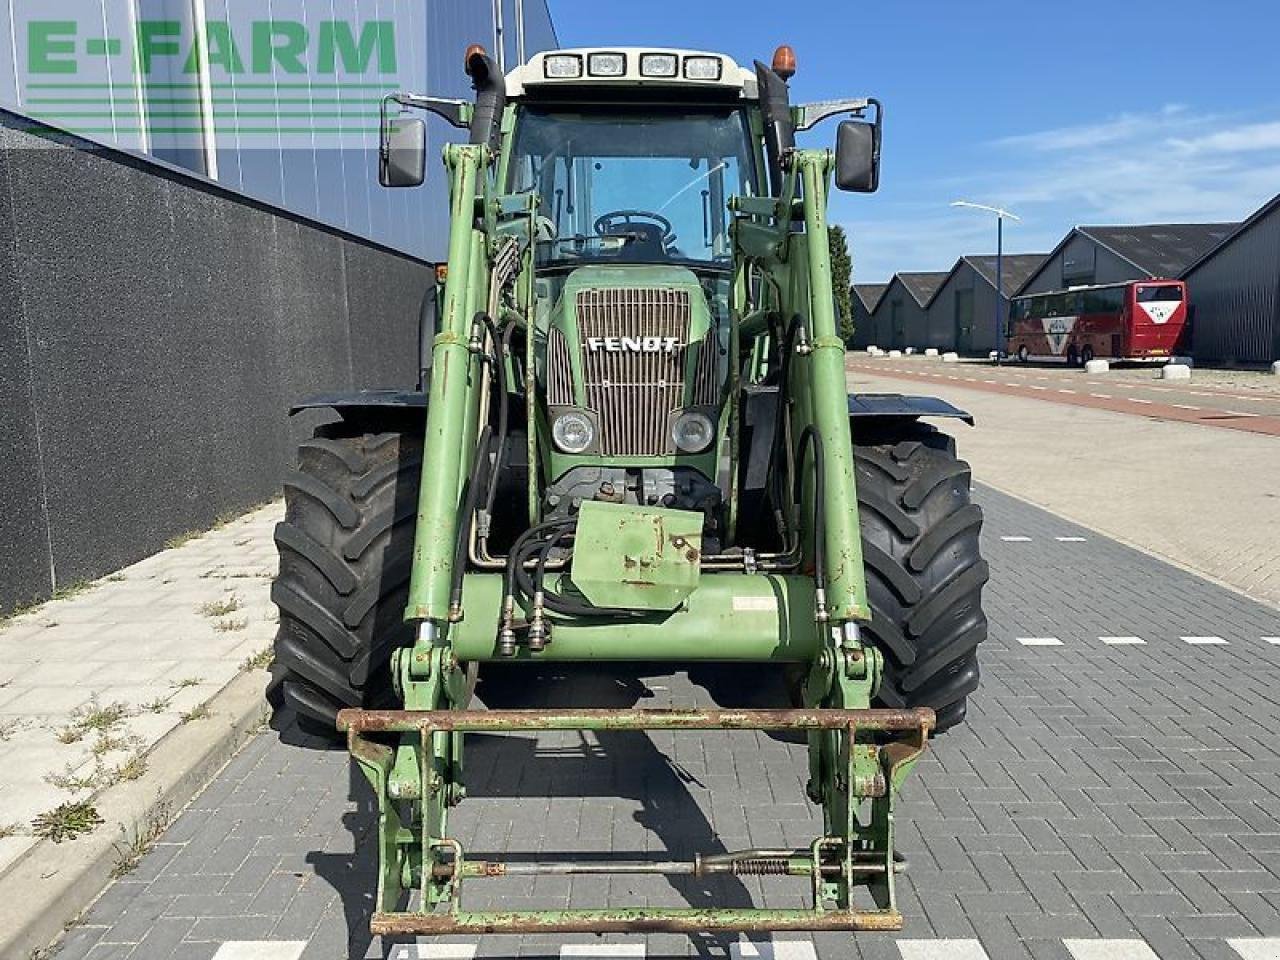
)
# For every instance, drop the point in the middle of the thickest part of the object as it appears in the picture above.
(51, 885)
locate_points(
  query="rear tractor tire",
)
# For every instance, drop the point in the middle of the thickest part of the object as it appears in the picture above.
(924, 570)
(346, 548)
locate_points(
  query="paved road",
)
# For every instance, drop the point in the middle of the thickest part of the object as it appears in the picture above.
(1252, 411)
(1114, 796)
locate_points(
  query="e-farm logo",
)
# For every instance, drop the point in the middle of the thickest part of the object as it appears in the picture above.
(247, 76)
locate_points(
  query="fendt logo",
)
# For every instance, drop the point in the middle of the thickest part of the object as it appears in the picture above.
(634, 344)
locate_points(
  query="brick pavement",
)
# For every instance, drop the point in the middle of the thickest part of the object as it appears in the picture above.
(1103, 798)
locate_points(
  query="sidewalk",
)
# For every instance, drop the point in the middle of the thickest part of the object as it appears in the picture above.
(1204, 499)
(92, 682)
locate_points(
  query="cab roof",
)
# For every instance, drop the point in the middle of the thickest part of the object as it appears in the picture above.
(532, 77)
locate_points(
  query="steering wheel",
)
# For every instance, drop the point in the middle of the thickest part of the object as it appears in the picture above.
(607, 224)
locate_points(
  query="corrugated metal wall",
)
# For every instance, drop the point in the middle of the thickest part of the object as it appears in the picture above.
(1235, 296)
(304, 141)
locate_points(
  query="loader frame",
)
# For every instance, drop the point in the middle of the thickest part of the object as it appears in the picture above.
(858, 756)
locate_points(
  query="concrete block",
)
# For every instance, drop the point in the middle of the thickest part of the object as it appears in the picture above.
(992, 355)
(931, 352)
(1175, 371)
(951, 357)
(894, 354)
(1275, 369)
(1097, 366)
(909, 351)
(872, 350)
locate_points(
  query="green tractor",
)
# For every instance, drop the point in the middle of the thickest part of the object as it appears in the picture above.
(633, 441)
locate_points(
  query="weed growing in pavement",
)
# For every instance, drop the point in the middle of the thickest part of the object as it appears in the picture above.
(9, 727)
(66, 821)
(230, 626)
(116, 578)
(158, 705)
(260, 660)
(72, 590)
(73, 782)
(186, 682)
(196, 713)
(8, 830)
(174, 542)
(93, 717)
(131, 769)
(220, 608)
(136, 848)
(106, 743)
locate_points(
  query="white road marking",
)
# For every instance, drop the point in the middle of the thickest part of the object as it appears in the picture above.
(990, 381)
(1239, 413)
(1256, 948)
(778, 950)
(1203, 641)
(1071, 539)
(1274, 641)
(435, 951)
(1161, 389)
(264, 950)
(1040, 641)
(1136, 400)
(941, 950)
(1122, 641)
(1109, 950)
(602, 951)
(1101, 396)
(1066, 391)
(1016, 539)
(1032, 386)
(1185, 406)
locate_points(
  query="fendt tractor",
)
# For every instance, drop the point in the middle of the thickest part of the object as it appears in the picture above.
(632, 441)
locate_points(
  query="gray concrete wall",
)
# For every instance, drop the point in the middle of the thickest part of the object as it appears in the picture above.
(1235, 298)
(154, 330)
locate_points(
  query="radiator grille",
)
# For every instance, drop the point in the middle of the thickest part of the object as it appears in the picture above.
(633, 392)
(706, 381)
(559, 370)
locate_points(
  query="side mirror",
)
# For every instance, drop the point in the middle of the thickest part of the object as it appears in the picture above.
(858, 156)
(403, 153)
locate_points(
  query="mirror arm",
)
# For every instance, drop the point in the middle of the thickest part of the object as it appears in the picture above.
(456, 112)
(809, 115)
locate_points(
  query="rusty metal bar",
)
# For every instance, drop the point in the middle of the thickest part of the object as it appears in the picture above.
(643, 920)
(407, 721)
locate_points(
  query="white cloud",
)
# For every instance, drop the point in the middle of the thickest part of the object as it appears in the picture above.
(1133, 168)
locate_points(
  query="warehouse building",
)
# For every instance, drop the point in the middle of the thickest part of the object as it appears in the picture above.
(900, 319)
(1235, 293)
(1090, 255)
(962, 314)
(864, 300)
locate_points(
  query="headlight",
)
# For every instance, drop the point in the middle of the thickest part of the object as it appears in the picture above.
(562, 66)
(702, 68)
(657, 65)
(693, 432)
(606, 64)
(573, 432)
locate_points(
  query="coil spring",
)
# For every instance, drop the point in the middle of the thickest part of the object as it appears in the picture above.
(760, 867)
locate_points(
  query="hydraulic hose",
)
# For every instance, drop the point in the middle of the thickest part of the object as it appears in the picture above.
(503, 347)
(812, 438)
(469, 499)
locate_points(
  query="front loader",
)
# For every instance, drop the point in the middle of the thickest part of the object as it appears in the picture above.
(633, 441)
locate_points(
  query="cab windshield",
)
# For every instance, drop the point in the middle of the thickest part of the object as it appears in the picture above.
(619, 186)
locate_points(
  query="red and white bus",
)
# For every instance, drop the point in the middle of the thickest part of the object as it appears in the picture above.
(1136, 320)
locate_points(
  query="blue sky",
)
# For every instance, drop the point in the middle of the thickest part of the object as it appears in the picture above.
(1127, 111)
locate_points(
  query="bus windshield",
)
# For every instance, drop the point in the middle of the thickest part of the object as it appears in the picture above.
(644, 186)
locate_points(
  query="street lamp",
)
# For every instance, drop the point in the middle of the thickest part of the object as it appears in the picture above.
(1000, 218)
